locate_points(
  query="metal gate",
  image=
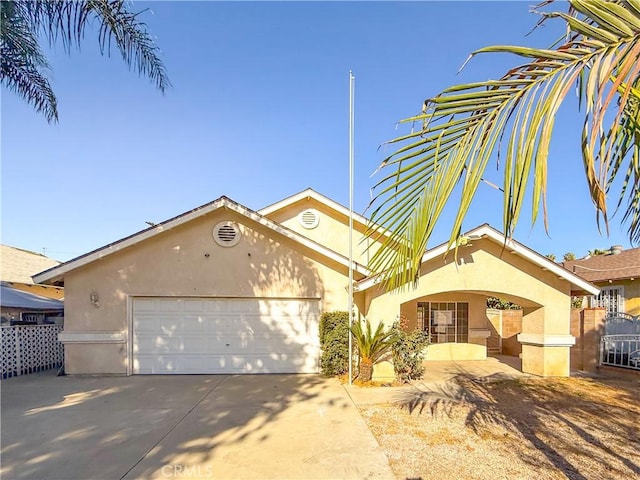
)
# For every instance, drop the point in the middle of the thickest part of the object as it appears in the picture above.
(620, 346)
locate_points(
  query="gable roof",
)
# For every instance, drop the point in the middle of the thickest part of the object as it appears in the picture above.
(18, 265)
(310, 193)
(57, 273)
(602, 268)
(487, 232)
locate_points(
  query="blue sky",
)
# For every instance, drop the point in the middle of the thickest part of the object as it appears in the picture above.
(259, 111)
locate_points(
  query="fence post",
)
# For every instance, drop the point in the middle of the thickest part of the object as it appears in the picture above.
(18, 352)
(601, 351)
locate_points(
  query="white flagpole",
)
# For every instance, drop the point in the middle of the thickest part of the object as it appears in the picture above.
(351, 169)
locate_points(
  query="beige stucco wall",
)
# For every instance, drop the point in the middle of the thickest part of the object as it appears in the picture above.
(481, 270)
(186, 261)
(484, 269)
(632, 296)
(332, 230)
(545, 361)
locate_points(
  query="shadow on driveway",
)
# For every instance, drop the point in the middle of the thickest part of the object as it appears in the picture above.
(196, 426)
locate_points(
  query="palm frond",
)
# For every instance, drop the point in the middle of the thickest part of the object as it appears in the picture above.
(513, 117)
(65, 21)
(372, 345)
(23, 66)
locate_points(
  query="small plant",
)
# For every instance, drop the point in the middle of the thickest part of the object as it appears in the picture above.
(334, 342)
(372, 346)
(576, 302)
(500, 304)
(408, 352)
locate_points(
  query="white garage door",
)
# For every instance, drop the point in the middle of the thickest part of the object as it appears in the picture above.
(222, 335)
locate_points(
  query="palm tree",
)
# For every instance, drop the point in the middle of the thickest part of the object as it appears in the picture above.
(372, 346)
(569, 256)
(23, 65)
(461, 128)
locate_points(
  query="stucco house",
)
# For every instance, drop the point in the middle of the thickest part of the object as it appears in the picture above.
(617, 274)
(225, 289)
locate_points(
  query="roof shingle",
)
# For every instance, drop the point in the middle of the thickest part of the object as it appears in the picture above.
(18, 265)
(602, 268)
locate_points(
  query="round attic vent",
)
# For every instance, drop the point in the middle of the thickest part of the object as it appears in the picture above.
(226, 234)
(309, 218)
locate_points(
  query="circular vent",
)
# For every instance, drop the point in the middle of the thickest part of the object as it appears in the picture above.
(309, 218)
(226, 234)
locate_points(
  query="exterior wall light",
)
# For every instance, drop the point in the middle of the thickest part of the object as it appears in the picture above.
(95, 300)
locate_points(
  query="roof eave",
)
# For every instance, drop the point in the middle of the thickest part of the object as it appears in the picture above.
(486, 231)
(57, 273)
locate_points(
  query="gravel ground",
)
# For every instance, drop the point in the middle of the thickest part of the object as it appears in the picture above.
(527, 428)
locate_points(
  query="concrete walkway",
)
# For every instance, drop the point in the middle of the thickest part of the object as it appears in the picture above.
(170, 427)
(440, 375)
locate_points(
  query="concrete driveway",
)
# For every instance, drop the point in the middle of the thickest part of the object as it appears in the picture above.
(171, 427)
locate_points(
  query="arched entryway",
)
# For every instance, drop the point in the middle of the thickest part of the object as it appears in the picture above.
(462, 327)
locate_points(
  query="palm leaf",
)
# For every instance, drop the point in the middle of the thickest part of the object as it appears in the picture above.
(24, 65)
(67, 21)
(512, 119)
(372, 345)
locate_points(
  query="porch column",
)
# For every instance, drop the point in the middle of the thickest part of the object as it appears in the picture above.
(546, 342)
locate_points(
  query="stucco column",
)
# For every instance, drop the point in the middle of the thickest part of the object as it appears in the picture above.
(546, 341)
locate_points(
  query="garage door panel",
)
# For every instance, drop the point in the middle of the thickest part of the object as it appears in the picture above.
(195, 344)
(218, 343)
(195, 364)
(178, 335)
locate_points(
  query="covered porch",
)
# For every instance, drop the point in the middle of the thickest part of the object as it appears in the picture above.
(449, 300)
(462, 327)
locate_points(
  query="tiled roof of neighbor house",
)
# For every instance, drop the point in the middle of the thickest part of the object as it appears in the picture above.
(17, 265)
(602, 268)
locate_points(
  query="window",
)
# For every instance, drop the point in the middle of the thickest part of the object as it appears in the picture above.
(610, 298)
(447, 322)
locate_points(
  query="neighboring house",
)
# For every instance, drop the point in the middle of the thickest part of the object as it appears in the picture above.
(18, 265)
(225, 289)
(22, 301)
(617, 274)
(18, 307)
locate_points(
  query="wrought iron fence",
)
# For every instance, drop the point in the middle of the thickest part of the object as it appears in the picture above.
(30, 348)
(620, 351)
(618, 323)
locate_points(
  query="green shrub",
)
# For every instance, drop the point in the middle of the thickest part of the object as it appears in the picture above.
(334, 342)
(408, 353)
(501, 304)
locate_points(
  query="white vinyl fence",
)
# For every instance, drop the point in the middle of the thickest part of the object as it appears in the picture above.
(30, 348)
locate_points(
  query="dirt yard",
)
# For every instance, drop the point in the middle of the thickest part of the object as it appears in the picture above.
(527, 428)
